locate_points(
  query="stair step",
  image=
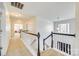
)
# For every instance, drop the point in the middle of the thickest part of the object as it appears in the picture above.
(51, 52)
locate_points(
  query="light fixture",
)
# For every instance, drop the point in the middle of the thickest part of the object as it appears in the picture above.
(16, 14)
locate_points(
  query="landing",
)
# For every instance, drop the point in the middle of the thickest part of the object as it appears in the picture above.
(51, 52)
(17, 48)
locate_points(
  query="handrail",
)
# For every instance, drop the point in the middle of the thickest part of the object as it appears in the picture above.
(59, 34)
(47, 37)
(65, 34)
(38, 37)
(30, 33)
(51, 35)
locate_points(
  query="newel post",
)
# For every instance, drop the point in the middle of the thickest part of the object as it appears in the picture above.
(43, 44)
(51, 39)
(38, 53)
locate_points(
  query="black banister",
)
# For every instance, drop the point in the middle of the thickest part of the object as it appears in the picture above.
(38, 53)
(30, 33)
(51, 35)
(43, 44)
(64, 34)
(51, 39)
(47, 37)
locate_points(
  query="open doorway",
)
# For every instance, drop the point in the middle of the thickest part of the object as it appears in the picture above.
(17, 29)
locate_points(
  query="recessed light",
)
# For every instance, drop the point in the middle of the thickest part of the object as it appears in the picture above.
(16, 14)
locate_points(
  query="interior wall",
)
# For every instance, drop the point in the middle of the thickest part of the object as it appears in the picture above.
(5, 28)
(44, 27)
(77, 30)
(65, 39)
(71, 23)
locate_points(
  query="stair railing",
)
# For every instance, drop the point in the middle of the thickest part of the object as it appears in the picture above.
(38, 37)
(52, 35)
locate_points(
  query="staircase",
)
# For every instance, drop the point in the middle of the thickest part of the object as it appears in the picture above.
(51, 52)
(48, 49)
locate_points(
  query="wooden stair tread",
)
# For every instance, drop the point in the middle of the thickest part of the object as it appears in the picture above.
(51, 52)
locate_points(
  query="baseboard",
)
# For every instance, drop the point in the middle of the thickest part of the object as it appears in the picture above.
(62, 52)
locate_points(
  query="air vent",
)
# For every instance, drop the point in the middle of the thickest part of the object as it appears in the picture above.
(17, 5)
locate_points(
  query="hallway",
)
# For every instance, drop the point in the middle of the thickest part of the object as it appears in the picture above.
(42, 26)
(17, 48)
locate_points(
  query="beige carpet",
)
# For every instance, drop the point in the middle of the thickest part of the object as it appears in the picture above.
(17, 48)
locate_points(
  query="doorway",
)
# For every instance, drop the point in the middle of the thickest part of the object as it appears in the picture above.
(17, 29)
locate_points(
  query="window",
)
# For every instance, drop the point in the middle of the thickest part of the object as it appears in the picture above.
(63, 28)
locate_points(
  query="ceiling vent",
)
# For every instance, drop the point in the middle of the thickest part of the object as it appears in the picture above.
(17, 5)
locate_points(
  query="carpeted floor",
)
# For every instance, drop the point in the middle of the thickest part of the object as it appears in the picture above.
(17, 48)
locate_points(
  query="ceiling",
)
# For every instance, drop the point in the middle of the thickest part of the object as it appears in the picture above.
(47, 10)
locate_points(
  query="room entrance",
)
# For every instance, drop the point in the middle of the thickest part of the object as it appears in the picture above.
(17, 29)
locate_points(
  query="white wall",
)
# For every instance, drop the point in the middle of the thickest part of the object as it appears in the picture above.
(76, 42)
(45, 27)
(65, 39)
(5, 36)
